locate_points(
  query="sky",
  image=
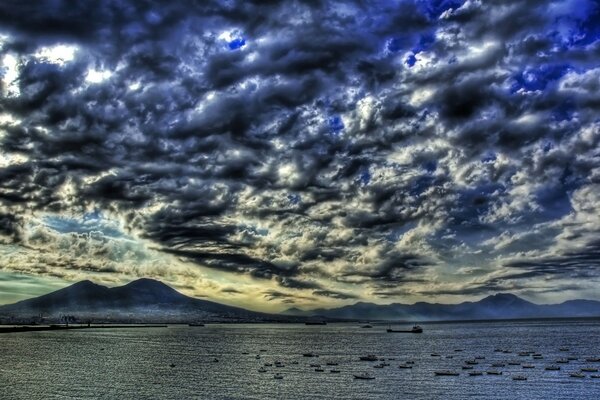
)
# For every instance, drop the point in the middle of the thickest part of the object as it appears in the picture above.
(302, 154)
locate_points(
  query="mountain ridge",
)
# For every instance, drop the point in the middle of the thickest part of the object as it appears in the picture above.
(142, 300)
(496, 306)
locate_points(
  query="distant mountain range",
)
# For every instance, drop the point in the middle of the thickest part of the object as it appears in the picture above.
(499, 306)
(147, 300)
(143, 300)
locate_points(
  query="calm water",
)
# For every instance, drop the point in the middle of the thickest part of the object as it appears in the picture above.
(135, 363)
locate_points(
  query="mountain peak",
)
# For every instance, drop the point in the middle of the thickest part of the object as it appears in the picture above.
(147, 283)
(504, 299)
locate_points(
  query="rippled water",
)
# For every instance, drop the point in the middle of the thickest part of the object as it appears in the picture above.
(135, 363)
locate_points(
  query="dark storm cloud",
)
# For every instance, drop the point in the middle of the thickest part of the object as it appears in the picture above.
(283, 140)
(583, 263)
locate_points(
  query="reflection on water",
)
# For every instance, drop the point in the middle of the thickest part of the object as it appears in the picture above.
(220, 362)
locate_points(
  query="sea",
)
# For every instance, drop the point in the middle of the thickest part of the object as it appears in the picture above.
(219, 361)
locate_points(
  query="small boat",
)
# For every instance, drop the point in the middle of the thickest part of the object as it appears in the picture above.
(467, 367)
(587, 369)
(446, 373)
(519, 378)
(366, 326)
(498, 365)
(538, 357)
(278, 376)
(378, 366)
(595, 376)
(369, 357)
(449, 356)
(315, 323)
(309, 355)
(552, 368)
(458, 350)
(215, 360)
(268, 365)
(172, 365)
(494, 372)
(262, 369)
(593, 359)
(263, 350)
(497, 350)
(415, 329)
(404, 366)
(196, 324)
(528, 366)
(471, 362)
(435, 355)
(576, 375)
(279, 365)
(331, 363)
(334, 371)
(257, 357)
(480, 358)
(315, 365)
(506, 351)
(319, 370)
(562, 361)
(572, 358)
(475, 373)
(294, 362)
(563, 349)
(514, 363)
(245, 353)
(410, 362)
(364, 376)
(524, 353)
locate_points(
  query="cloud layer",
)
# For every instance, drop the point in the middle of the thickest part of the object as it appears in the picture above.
(306, 152)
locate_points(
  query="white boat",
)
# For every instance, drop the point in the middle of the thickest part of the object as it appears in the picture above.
(577, 375)
(588, 369)
(494, 372)
(404, 366)
(552, 368)
(335, 371)
(519, 378)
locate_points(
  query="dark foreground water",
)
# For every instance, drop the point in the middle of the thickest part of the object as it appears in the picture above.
(135, 363)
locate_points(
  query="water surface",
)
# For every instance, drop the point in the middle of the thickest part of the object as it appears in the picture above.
(135, 363)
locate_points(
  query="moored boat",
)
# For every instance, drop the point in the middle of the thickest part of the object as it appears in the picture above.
(369, 357)
(415, 329)
(364, 376)
(446, 373)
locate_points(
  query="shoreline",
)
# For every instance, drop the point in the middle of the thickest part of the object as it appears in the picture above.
(36, 328)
